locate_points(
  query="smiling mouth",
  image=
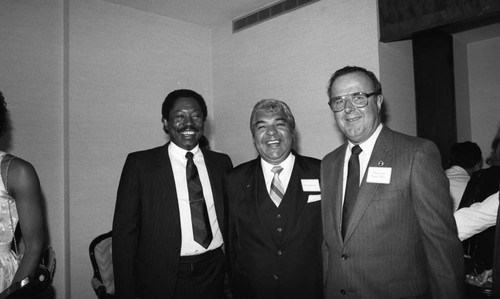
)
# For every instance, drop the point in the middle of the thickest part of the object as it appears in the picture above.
(273, 143)
(188, 133)
(350, 120)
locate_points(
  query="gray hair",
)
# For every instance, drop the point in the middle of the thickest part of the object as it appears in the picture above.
(272, 105)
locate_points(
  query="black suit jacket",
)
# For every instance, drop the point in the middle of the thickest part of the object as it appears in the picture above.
(260, 266)
(146, 224)
(482, 184)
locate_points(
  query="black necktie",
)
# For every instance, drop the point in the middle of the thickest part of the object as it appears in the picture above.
(352, 187)
(202, 231)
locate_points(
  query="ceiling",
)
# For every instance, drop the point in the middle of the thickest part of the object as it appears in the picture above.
(207, 13)
(478, 34)
(210, 13)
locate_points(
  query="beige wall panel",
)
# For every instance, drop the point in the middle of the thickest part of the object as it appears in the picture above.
(122, 63)
(290, 58)
(484, 76)
(31, 78)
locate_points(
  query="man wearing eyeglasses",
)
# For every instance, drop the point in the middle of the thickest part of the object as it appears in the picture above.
(388, 226)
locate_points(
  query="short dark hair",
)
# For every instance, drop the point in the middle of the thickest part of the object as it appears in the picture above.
(172, 97)
(353, 69)
(272, 105)
(465, 154)
(4, 114)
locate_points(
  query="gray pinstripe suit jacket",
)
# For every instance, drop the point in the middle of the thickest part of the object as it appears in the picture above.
(401, 240)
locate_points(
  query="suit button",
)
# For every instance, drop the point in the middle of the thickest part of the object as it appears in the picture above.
(344, 257)
(279, 229)
(276, 277)
(343, 292)
(278, 216)
(279, 252)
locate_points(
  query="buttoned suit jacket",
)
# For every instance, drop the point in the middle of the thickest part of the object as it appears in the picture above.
(261, 267)
(146, 224)
(401, 241)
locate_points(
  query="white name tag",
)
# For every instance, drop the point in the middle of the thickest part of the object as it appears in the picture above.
(379, 175)
(313, 198)
(310, 185)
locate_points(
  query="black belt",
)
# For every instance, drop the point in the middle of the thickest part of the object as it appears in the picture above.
(193, 264)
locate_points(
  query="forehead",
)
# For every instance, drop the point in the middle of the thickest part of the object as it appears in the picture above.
(185, 103)
(352, 82)
(263, 115)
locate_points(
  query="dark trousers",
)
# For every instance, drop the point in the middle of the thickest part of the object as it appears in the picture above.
(201, 276)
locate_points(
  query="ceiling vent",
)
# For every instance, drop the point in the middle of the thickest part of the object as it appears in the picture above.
(269, 12)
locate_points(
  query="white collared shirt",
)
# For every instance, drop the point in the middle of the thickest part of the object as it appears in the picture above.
(178, 160)
(364, 156)
(458, 178)
(284, 175)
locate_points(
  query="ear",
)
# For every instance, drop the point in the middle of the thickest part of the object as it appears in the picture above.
(165, 124)
(380, 100)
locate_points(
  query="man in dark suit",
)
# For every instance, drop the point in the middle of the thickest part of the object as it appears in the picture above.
(387, 217)
(274, 222)
(166, 241)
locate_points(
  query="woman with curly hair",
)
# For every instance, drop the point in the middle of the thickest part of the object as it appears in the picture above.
(20, 202)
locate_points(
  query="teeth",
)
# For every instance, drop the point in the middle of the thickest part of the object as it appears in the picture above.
(273, 142)
(188, 133)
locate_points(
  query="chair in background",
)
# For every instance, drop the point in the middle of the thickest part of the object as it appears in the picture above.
(100, 252)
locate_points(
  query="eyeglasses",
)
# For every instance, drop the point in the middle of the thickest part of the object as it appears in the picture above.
(358, 100)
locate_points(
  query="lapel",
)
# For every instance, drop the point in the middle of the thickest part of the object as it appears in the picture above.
(166, 176)
(294, 192)
(337, 187)
(256, 187)
(382, 151)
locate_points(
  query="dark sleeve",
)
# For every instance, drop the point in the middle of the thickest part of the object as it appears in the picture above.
(496, 259)
(126, 229)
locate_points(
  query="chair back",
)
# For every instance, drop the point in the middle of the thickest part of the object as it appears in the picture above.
(100, 251)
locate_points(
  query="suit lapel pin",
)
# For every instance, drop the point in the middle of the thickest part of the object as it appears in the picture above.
(380, 163)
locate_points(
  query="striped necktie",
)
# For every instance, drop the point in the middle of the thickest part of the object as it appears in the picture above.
(277, 191)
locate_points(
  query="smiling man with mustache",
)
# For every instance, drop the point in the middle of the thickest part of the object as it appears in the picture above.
(168, 222)
(274, 218)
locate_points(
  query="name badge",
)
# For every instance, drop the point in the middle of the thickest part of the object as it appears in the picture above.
(379, 175)
(313, 197)
(310, 185)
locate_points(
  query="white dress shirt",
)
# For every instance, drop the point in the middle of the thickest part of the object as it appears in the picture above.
(178, 159)
(477, 218)
(458, 178)
(284, 175)
(364, 156)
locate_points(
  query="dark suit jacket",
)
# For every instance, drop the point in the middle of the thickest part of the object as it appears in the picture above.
(146, 224)
(402, 240)
(261, 267)
(482, 184)
(496, 261)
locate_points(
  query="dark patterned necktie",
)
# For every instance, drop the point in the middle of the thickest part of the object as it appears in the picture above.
(277, 191)
(202, 231)
(352, 187)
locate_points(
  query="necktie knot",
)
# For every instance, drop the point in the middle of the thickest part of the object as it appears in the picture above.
(356, 150)
(277, 169)
(189, 155)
